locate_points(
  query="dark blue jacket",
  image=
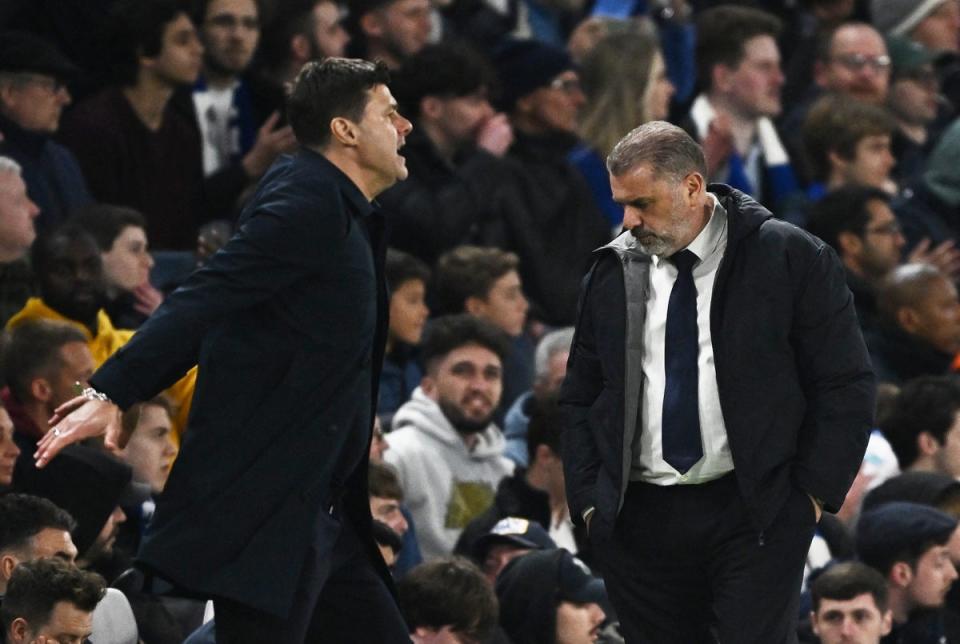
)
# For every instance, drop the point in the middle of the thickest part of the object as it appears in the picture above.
(287, 324)
(796, 389)
(51, 172)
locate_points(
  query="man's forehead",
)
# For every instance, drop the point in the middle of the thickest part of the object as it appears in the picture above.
(640, 180)
(860, 602)
(472, 354)
(857, 38)
(231, 7)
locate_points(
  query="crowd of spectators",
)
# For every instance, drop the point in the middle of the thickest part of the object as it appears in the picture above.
(132, 133)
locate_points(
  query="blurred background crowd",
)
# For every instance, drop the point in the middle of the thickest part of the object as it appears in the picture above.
(132, 133)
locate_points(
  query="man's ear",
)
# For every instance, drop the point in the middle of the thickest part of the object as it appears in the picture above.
(694, 185)
(721, 77)
(886, 622)
(475, 306)
(901, 574)
(344, 131)
(837, 161)
(908, 319)
(927, 444)
(431, 107)
(7, 564)
(20, 631)
(850, 243)
(429, 386)
(40, 389)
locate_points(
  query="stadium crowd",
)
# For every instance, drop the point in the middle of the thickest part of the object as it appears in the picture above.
(133, 132)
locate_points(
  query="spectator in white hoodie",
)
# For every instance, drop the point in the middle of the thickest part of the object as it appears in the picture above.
(447, 452)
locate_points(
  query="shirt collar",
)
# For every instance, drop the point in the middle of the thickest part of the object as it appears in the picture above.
(709, 240)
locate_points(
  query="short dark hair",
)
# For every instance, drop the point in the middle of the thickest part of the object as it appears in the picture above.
(37, 586)
(291, 18)
(846, 580)
(442, 70)
(382, 481)
(837, 124)
(448, 592)
(402, 267)
(131, 417)
(449, 332)
(925, 404)
(469, 271)
(546, 425)
(666, 147)
(136, 29)
(25, 516)
(198, 10)
(33, 350)
(105, 222)
(843, 210)
(330, 88)
(722, 32)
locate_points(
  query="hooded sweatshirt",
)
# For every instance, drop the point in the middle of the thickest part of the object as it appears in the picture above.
(445, 483)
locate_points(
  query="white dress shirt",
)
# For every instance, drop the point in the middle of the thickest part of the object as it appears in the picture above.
(648, 464)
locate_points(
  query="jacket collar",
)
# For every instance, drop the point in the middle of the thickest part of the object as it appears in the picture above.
(31, 143)
(350, 191)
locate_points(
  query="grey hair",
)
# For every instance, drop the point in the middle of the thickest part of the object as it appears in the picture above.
(667, 148)
(9, 165)
(550, 345)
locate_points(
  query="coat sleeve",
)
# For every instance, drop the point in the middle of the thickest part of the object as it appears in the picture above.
(838, 382)
(279, 244)
(581, 388)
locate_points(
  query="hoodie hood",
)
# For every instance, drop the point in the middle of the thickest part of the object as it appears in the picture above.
(425, 415)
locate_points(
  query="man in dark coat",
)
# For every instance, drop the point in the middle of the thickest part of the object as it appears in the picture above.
(718, 397)
(266, 508)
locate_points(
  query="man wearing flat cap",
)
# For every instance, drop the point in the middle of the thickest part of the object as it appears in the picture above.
(908, 544)
(33, 93)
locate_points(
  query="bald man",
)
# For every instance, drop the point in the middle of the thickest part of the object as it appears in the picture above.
(919, 330)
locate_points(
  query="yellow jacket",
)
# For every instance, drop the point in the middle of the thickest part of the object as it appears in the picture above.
(105, 344)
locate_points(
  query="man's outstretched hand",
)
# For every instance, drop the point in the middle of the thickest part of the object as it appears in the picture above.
(79, 419)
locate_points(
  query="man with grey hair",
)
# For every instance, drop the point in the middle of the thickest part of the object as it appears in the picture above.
(718, 398)
(17, 213)
(550, 367)
(17, 232)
